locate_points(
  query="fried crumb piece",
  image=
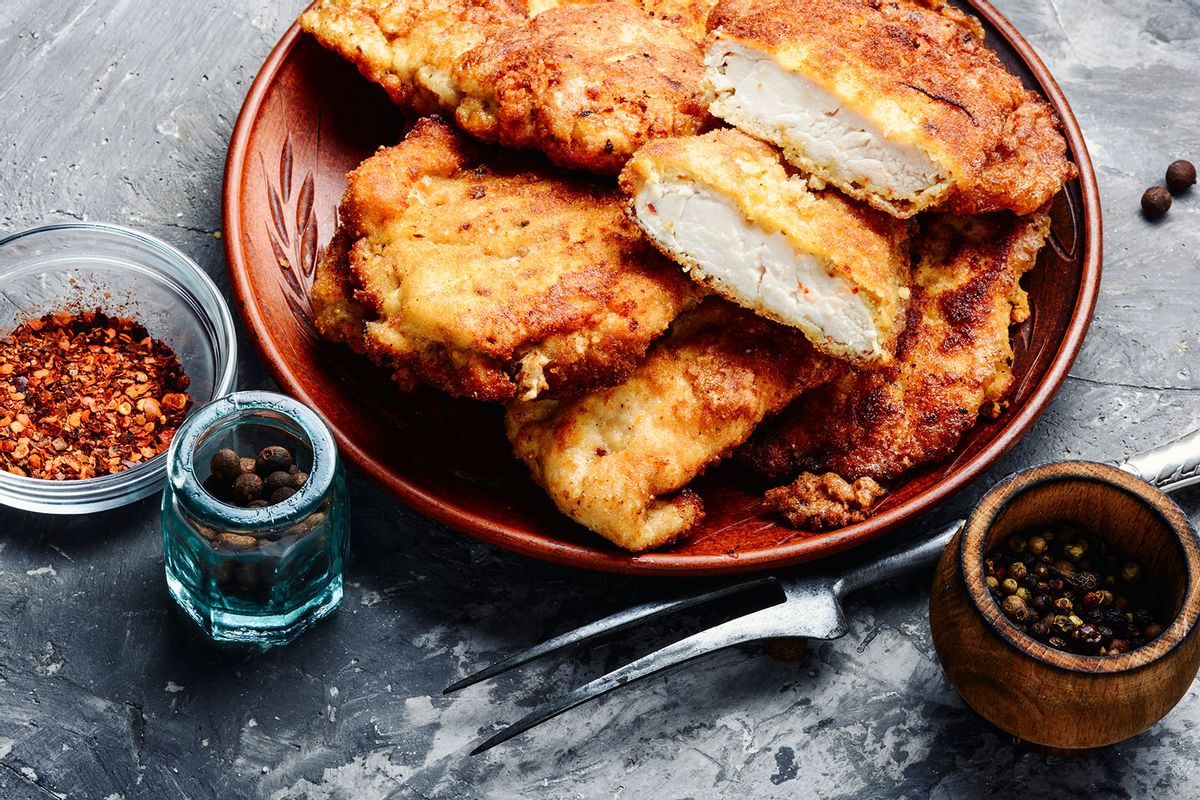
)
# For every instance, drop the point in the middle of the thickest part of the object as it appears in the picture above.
(823, 502)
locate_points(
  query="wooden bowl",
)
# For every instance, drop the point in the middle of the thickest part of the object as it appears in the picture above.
(1035, 692)
(310, 117)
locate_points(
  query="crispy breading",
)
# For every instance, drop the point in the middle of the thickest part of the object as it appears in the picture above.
(587, 83)
(410, 47)
(723, 206)
(909, 109)
(618, 460)
(954, 362)
(491, 276)
(824, 502)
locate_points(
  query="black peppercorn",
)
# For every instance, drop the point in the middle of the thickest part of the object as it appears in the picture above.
(1181, 176)
(281, 494)
(247, 488)
(272, 459)
(1155, 202)
(225, 464)
(275, 481)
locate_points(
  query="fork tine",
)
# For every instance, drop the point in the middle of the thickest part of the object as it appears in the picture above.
(610, 624)
(766, 623)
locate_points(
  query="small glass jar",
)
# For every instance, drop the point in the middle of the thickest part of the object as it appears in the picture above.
(255, 575)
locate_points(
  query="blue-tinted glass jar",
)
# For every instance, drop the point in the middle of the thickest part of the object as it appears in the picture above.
(255, 575)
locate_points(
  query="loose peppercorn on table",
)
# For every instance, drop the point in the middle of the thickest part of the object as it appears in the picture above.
(121, 112)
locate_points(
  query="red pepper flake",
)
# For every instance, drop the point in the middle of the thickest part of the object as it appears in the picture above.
(86, 394)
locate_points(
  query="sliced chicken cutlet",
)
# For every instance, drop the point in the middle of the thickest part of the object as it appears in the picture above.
(954, 363)
(899, 103)
(491, 276)
(618, 460)
(586, 83)
(723, 206)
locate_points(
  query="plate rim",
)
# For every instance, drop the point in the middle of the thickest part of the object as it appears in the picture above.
(780, 555)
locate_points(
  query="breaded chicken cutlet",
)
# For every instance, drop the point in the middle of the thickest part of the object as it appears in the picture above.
(897, 103)
(954, 363)
(586, 83)
(723, 206)
(491, 277)
(618, 460)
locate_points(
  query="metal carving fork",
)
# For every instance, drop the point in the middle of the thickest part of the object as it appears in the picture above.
(810, 607)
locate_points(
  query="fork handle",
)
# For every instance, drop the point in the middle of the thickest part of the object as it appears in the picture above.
(1169, 466)
(911, 556)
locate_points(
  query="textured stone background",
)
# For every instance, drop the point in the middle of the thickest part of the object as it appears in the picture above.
(120, 110)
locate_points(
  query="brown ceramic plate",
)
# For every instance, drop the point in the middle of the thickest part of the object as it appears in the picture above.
(310, 117)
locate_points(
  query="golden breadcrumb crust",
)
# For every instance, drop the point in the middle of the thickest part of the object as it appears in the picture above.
(922, 73)
(490, 277)
(618, 460)
(587, 83)
(954, 363)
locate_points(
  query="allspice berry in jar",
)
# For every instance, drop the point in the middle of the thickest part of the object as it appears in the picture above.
(245, 562)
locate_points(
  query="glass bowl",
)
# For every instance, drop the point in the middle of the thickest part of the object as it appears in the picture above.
(83, 266)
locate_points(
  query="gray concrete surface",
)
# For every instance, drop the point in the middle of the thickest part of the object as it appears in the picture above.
(120, 110)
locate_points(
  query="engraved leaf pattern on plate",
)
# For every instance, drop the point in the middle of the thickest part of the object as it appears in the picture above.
(292, 233)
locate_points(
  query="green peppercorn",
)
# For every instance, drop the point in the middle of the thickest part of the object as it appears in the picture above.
(1131, 572)
(1036, 544)
(1016, 544)
(993, 585)
(1024, 594)
(1017, 570)
(1073, 552)
(1008, 586)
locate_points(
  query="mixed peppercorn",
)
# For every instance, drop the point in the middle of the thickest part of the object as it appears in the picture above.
(86, 394)
(1073, 591)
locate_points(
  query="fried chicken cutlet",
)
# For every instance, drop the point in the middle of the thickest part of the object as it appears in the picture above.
(899, 104)
(954, 362)
(618, 460)
(586, 83)
(491, 277)
(723, 206)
